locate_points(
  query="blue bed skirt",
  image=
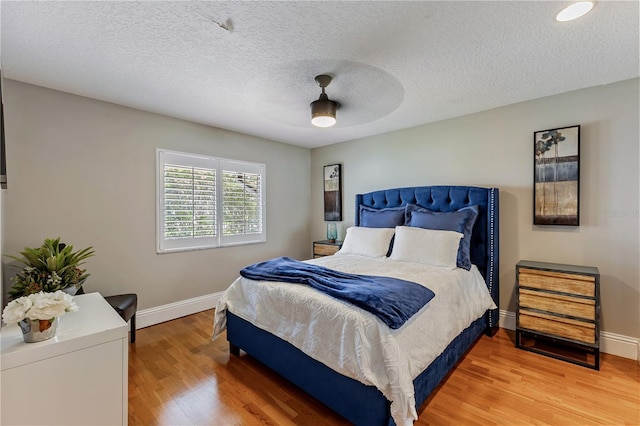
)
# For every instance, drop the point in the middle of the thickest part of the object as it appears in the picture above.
(356, 402)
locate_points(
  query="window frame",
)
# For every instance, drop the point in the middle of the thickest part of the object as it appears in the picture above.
(164, 245)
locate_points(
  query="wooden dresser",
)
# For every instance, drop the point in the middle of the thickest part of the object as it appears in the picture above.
(325, 248)
(559, 311)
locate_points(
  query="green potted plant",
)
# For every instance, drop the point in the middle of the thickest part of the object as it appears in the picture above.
(51, 267)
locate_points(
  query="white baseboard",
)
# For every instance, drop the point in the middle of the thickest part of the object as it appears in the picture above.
(152, 316)
(610, 343)
(507, 320)
(617, 344)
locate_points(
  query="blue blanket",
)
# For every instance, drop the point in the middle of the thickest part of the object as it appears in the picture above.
(392, 300)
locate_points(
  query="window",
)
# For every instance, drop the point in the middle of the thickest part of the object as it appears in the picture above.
(206, 202)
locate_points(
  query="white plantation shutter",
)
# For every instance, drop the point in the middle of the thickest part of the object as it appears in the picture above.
(242, 202)
(189, 202)
(206, 202)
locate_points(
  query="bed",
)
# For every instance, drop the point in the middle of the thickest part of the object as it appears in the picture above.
(343, 392)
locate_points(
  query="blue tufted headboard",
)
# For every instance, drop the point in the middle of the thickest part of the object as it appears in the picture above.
(484, 238)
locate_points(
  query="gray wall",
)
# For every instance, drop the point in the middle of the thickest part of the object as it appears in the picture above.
(494, 148)
(85, 170)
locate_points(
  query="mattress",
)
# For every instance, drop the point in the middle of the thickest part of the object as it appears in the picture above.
(354, 342)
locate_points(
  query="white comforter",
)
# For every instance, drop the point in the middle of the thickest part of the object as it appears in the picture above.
(353, 341)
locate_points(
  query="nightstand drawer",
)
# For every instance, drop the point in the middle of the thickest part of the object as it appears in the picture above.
(583, 285)
(325, 248)
(558, 326)
(558, 303)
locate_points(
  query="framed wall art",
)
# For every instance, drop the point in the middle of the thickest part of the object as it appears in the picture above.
(333, 193)
(556, 176)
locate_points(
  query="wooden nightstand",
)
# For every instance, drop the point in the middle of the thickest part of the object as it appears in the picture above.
(559, 311)
(325, 248)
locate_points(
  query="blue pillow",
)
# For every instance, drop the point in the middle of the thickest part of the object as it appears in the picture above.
(381, 218)
(459, 221)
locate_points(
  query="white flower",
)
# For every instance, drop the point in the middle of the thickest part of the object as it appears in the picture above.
(39, 306)
(44, 307)
(67, 300)
(16, 310)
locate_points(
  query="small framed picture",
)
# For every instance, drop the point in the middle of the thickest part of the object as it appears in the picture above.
(556, 176)
(333, 193)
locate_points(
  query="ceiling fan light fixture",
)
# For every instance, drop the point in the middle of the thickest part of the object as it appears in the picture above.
(574, 11)
(323, 111)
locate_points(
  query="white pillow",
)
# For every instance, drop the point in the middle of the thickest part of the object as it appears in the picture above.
(372, 242)
(426, 246)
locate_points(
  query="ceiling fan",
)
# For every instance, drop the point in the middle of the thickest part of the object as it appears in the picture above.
(323, 111)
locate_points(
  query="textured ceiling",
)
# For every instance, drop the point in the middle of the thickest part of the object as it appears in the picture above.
(250, 66)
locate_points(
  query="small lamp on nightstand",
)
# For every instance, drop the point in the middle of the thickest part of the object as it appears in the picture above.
(332, 232)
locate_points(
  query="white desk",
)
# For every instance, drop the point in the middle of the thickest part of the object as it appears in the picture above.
(79, 377)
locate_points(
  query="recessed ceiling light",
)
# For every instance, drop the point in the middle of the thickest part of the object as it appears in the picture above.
(574, 11)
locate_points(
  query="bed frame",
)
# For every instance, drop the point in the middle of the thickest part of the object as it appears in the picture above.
(356, 402)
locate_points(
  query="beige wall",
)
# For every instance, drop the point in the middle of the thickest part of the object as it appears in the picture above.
(85, 170)
(494, 148)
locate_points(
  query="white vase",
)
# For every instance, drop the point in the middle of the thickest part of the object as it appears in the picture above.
(38, 330)
(73, 289)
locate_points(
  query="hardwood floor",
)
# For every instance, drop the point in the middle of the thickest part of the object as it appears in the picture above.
(178, 376)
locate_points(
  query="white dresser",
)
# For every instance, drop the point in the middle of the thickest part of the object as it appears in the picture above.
(78, 377)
